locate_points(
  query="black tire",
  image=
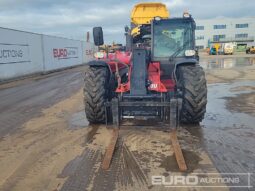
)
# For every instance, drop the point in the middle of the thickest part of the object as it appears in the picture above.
(96, 93)
(192, 83)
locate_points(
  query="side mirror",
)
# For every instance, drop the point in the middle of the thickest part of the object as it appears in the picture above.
(98, 36)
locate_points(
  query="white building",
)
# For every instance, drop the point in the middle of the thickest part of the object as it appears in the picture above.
(238, 30)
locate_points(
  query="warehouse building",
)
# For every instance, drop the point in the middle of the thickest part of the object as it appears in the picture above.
(240, 31)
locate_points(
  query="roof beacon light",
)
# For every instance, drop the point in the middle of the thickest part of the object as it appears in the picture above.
(186, 14)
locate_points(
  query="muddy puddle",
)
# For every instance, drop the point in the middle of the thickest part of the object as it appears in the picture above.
(59, 150)
(78, 120)
(231, 62)
(141, 152)
(192, 160)
(228, 129)
(222, 143)
(218, 113)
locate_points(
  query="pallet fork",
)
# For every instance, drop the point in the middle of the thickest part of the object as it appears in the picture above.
(174, 106)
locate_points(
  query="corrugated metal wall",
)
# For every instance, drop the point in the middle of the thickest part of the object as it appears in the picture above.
(23, 53)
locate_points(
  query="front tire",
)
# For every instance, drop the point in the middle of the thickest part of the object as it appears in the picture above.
(96, 93)
(192, 83)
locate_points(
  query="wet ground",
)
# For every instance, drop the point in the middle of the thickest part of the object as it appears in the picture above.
(46, 142)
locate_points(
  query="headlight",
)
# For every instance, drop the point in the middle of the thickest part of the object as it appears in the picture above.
(99, 55)
(190, 52)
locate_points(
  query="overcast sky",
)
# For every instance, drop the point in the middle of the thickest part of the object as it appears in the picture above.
(72, 18)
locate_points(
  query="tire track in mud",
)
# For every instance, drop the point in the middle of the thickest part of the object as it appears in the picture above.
(138, 155)
(226, 152)
(233, 161)
(82, 176)
(22, 102)
(131, 168)
(89, 175)
(105, 179)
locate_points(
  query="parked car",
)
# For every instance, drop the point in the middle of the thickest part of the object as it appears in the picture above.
(213, 51)
(228, 48)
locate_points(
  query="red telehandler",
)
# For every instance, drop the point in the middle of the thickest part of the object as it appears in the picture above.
(157, 76)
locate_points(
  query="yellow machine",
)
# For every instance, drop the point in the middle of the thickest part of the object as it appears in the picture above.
(250, 50)
(143, 13)
(217, 46)
(110, 48)
(214, 49)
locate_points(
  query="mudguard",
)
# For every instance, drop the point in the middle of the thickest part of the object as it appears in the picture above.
(186, 61)
(99, 63)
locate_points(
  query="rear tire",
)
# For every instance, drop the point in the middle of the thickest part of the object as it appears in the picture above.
(96, 93)
(192, 84)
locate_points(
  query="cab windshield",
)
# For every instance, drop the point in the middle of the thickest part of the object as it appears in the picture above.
(172, 38)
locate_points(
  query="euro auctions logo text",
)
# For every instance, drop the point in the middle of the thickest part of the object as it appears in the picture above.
(213, 180)
(65, 53)
(174, 180)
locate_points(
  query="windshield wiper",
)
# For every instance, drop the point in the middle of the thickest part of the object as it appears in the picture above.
(180, 48)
